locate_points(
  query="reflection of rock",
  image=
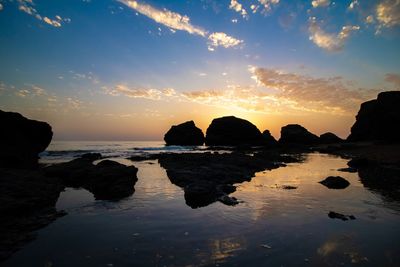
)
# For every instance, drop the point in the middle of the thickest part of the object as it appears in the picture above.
(329, 138)
(185, 134)
(232, 131)
(378, 119)
(297, 134)
(108, 180)
(27, 204)
(335, 215)
(21, 140)
(335, 182)
(350, 169)
(208, 177)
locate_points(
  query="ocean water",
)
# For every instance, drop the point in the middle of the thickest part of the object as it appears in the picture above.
(270, 227)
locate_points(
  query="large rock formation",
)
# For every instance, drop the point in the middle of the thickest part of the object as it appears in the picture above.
(185, 134)
(232, 131)
(297, 134)
(22, 139)
(269, 140)
(329, 138)
(378, 119)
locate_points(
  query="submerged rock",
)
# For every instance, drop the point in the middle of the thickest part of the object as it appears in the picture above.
(297, 134)
(335, 182)
(21, 140)
(378, 119)
(232, 131)
(108, 180)
(185, 134)
(329, 138)
(335, 215)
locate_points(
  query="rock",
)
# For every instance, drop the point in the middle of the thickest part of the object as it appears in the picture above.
(329, 138)
(232, 131)
(108, 180)
(335, 215)
(357, 163)
(297, 134)
(289, 187)
(269, 140)
(185, 134)
(335, 182)
(21, 140)
(378, 119)
(351, 170)
(227, 200)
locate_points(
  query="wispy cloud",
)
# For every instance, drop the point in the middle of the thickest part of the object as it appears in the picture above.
(176, 21)
(388, 13)
(28, 6)
(393, 79)
(332, 94)
(238, 7)
(320, 3)
(1, 6)
(147, 93)
(329, 41)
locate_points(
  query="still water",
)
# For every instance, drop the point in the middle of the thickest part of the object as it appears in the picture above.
(272, 226)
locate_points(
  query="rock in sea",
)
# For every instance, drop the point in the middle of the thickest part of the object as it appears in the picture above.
(335, 182)
(184, 134)
(297, 134)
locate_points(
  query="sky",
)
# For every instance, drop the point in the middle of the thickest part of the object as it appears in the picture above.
(128, 70)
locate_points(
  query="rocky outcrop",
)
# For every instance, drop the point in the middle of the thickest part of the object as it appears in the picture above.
(21, 140)
(108, 180)
(232, 131)
(297, 134)
(335, 182)
(269, 140)
(378, 120)
(329, 138)
(185, 134)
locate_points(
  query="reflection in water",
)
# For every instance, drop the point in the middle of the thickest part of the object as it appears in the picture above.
(154, 227)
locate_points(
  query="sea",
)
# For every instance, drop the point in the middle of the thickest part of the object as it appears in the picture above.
(271, 226)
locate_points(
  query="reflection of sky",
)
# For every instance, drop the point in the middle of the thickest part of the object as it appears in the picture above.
(129, 69)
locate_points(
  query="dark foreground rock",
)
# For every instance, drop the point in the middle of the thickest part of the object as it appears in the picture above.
(378, 120)
(335, 182)
(185, 134)
(21, 140)
(209, 177)
(269, 140)
(297, 134)
(28, 201)
(335, 215)
(232, 131)
(329, 138)
(108, 180)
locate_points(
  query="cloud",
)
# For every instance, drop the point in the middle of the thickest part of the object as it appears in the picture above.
(332, 94)
(394, 79)
(329, 41)
(27, 6)
(221, 39)
(353, 4)
(320, 3)
(235, 5)
(264, 6)
(132, 92)
(176, 21)
(388, 13)
(1, 6)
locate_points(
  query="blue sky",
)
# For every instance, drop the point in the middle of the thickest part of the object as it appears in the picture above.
(129, 69)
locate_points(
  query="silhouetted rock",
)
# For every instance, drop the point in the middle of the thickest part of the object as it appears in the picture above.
(185, 134)
(378, 119)
(232, 131)
(357, 163)
(108, 180)
(28, 201)
(335, 215)
(329, 138)
(349, 169)
(335, 182)
(297, 134)
(269, 140)
(21, 140)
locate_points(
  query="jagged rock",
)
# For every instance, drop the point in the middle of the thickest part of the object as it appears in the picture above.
(108, 180)
(329, 138)
(297, 134)
(378, 119)
(335, 215)
(21, 140)
(269, 140)
(232, 131)
(335, 182)
(185, 134)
